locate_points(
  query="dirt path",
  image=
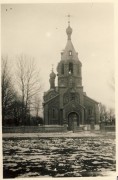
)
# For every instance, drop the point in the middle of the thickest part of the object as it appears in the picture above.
(66, 134)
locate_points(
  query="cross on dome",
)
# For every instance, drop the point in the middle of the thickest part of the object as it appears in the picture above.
(68, 19)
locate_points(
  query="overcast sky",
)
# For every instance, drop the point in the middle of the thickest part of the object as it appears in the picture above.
(39, 30)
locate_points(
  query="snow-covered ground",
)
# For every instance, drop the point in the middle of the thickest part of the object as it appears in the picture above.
(58, 155)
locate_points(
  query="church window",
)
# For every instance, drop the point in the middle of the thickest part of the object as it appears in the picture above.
(53, 113)
(70, 68)
(70, 53)
(73, 96)
(90, 111)
(62, 69)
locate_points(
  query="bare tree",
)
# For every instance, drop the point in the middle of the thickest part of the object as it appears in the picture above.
(37, 105)
(17, 109)
(28, 82)
(111, 115)
(7, 90)
(107, 115)
(103, 112)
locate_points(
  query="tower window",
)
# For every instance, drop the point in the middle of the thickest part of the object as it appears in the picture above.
(62, 69)
(71, 68)
(70, 53)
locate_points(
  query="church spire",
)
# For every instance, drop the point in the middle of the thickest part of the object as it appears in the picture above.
(69, 52)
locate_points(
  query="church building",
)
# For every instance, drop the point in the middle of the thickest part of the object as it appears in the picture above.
(67, 103)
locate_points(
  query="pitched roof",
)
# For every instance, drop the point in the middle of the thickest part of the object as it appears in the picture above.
(90, 99)
(69, 52)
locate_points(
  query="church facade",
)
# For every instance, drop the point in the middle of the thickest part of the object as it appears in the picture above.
(67, 103)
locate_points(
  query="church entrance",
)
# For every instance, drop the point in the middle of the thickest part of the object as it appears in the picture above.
(73, 121)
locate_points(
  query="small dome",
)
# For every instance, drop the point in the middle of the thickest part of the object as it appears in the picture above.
(69, 32)
(52, 74)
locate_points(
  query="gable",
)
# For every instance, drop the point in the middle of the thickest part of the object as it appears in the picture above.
(49, 95)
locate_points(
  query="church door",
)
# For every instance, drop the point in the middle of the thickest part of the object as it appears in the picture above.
(73, 120)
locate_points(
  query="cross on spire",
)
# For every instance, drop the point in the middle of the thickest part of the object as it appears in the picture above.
(68, 16)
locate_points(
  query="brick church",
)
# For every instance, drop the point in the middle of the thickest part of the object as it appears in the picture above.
(67, 103)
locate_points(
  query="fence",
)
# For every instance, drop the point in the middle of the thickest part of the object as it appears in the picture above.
(34, 129)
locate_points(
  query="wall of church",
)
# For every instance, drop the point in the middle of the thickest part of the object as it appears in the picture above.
(46, 114)
(91, 111)
(52, 112)
(97, 114)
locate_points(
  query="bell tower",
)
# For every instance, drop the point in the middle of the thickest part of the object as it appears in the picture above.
(70, 81)
(69, 68)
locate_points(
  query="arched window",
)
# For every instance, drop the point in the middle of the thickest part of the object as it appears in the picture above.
(62, 69)
(90, 111)
(71, 68)
(53, 113)
(70, 53)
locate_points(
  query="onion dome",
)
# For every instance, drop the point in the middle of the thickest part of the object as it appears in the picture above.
(69, 32)
(52, 75)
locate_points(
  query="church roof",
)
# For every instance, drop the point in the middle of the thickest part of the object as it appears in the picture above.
(91, 99)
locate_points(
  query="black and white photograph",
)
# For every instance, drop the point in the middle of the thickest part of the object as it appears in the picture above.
(58, 90)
